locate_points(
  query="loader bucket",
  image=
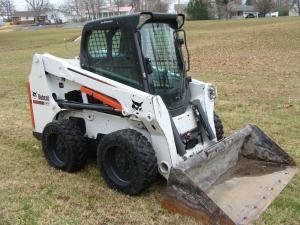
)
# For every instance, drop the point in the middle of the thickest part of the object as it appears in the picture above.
(230, 182)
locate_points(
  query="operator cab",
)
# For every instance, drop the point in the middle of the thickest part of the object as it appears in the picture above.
(144, 51)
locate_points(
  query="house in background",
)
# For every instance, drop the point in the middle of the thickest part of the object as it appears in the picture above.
(47, 17)
(272, 14)
(23, 17)
(55, 16)
(28, 17)
(238, 11)
(235, 9)
(177, 6)
(113, 10)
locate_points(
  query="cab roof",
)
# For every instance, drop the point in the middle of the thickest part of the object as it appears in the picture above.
(136, 20)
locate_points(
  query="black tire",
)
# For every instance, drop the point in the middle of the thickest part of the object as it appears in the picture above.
(218, 127)
(64, 145)
(127, 161)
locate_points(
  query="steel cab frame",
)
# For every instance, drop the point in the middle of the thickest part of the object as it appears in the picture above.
(142, 50)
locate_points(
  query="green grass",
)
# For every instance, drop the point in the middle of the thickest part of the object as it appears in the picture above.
(255, 65)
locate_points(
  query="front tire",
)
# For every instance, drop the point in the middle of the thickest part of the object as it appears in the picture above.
(64, 145)
(127, 161)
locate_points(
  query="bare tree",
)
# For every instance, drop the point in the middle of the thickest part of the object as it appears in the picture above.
(37, 6)
(156, 5)
(136, 5)
(92, 8)
(223, 8)
(82, 9)
(73, 8)
(118, 3)
(295, 5)
(54, 13)
(7, 8)
(2, 12)
(92, 4)
(264, 6)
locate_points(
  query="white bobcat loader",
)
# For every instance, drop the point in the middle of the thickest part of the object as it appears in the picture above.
(130, 95)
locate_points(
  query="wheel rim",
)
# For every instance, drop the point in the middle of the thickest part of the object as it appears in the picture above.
(57, 149)
(118, 165)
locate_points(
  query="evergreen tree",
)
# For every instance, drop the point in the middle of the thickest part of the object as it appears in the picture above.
(197, 10)
(248, 2)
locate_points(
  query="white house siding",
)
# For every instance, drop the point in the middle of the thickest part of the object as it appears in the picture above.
(173, 3)
(57, 15)
(27, 18)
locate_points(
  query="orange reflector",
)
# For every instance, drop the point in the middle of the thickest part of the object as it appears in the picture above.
(30, 105)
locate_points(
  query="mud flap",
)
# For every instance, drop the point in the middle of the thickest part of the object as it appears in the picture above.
(231, 182)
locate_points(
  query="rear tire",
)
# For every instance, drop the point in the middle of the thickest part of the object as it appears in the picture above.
(64, 145)
(218, 127)
(127, 161)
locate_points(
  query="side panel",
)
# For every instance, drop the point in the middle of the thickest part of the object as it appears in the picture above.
(103, 123)
(44, 107)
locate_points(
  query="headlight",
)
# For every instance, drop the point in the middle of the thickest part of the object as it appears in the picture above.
(212, 93)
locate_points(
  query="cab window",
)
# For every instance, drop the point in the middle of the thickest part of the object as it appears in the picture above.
(111, 54)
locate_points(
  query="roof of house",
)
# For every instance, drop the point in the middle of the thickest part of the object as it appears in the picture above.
(25, 14)
(241, 8)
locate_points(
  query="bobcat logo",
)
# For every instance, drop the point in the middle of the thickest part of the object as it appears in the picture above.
(137, 105)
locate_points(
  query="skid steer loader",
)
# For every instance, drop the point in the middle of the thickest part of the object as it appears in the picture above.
(129, 94)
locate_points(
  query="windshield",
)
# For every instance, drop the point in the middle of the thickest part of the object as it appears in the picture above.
(160, 46)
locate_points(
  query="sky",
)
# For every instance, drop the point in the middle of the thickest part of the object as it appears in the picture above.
(21, 4)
